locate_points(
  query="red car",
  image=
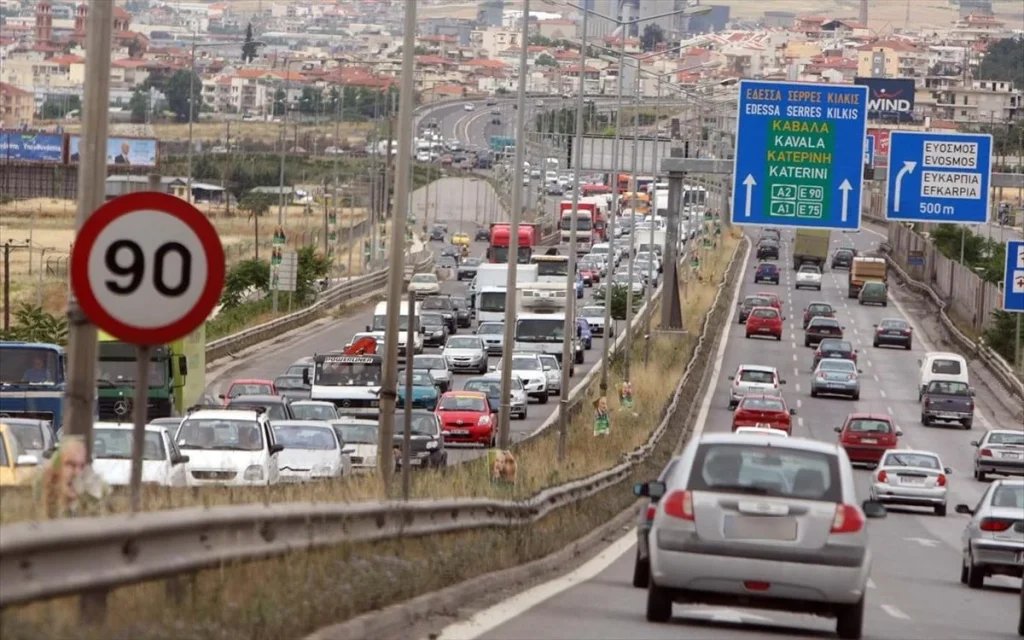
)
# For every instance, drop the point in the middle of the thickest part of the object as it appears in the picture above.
(774, 299)
(867, 436)
(763, 411)
(818, 309)
(765, 321)
(466, 418)
(249, 387)
(591, 275)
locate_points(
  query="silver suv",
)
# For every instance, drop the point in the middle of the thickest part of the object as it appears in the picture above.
(782, 510)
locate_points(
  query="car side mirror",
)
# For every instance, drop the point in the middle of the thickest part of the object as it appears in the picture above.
(222, 396)
(652, 490)
(919, 362)
(838, 429)
(947, 470)
(875, 326)
(899, 433)
(971, 391)
(975, 443)
(26, 461)
(783, 317)
(347, 451)
(180, 460)
(305, 376)
(367, 328)
(964, 509)
(843, 328)
(873, 509)
(856, 350)
(782, 382)
(732, 377)
(792, 412)
(860, 371)
(276, 448)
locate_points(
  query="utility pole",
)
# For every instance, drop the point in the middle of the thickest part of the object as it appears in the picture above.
(92, 178)
(632, 228)
(654, 212)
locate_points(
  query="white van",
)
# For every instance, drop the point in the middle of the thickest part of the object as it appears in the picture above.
(941, 366)
(380, 323)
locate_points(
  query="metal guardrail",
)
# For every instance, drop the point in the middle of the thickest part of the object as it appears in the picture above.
(90, 556)
(328, 299)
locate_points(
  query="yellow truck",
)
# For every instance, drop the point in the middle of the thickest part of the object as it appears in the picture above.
(811, 246)
(16, 469)
(865, 269)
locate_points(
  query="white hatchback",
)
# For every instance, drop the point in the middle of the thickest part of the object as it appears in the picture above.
(753, 378)
(162, 463)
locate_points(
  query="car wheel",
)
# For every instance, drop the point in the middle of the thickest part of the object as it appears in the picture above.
(908, 347)
(819, 287)
(980, 475)
(875, 344)
(975, 577)
(850, 620)
(544, 398)
(807, 342)
(659, 603)
(856, 396)
(963, 571)
(523, 416)
(814, 393)
(968, 424)
(924, 420)
(748, 336)
(641, 572)
(779, 337)
(885, 304)
(940, 510)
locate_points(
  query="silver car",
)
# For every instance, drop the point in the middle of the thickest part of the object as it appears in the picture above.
(314, 410)
(993, 541)
(553, 373)
(35, 436)
(911, 478)
(466, 353)
(1000, 451)
(752, 378)
(836, 377)
(761, 522)
(493, 335)
(437, 367)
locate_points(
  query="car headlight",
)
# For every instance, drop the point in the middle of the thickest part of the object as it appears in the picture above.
(432, 444)
(437, 334)
(483, 421)
(253, 472)
(322, 471)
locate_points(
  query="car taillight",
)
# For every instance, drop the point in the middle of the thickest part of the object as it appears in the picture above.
(942, 480)
(883, 476)
(679, 504)
(927, 402)
(970, 405)
(651, 510)
(906, 332)
(996, 524)
(848, 519)
(756, 585)
(987, 453)
(880, 330)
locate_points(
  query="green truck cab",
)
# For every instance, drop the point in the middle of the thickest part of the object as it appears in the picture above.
(177, 376)
(811, 245)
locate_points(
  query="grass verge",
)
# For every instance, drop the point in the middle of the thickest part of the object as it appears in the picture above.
(290, 596)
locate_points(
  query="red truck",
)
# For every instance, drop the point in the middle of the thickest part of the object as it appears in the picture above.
(501, 236)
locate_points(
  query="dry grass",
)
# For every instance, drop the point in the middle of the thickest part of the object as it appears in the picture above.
(291, 596)
(264, 132)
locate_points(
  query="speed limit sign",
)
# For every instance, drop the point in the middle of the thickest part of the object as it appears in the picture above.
(148, 268)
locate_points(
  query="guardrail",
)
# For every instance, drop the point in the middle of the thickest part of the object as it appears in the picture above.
(328, 299)
(91, 556)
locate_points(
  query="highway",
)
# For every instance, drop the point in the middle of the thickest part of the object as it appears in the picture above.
(914, 590)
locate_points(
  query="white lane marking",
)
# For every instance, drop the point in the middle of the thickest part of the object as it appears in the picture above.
(889, 409)
(869, 364)
(924, 542)
(799, 403)
(798, 387)
(871, 584)
(795, 359)
(894, 611)
(881, 392)
(800, 422)
(875, 376)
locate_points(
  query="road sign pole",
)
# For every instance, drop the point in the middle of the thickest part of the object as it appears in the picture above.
(139, 407)
(1016, 355)
(410, 334)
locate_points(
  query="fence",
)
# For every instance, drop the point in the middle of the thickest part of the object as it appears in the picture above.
(90, 556)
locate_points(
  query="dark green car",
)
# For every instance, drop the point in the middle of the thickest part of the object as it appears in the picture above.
(874, 293)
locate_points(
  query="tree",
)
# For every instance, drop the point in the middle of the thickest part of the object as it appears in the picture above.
(311, 101)
(544, 60)
(334, 103)
(652, 36)
(1001, 336)
(241, 279)
(312, 267)
(280, 99)
(139, 105)
(249, 47)
(178, 88)
(1004, 60)
(32, 324)
(57, 108)
(257, 204)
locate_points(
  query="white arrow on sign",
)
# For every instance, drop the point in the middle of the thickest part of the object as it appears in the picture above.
(749, 183)
(908, 167)
(924, 542)
(845, 187)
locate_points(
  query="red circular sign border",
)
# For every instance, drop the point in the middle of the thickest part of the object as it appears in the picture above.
(131, 203)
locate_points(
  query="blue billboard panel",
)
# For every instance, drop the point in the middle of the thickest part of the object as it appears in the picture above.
(869, 151)
(1013, 280)
(122, 152)
(24, 146)
(889, 99)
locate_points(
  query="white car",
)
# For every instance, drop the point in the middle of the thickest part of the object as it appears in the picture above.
(911, 478)
(162, 463)
(312, 451)
(809, 276)
(424, 284)
(761, 431)
(529, 369)
(314, 410)
(594, 316)
(468, 107)
(553, 373)
(229, 447)
(466, 353)
(752, 378)
(359, 437)
(423, 156)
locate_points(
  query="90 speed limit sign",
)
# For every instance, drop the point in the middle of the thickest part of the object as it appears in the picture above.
(148, 268)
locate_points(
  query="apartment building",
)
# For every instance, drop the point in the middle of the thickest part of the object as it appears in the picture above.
(17, 107)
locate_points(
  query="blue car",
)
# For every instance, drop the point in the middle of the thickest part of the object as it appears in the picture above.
(583, 327)
(579, 286)
(424, 392)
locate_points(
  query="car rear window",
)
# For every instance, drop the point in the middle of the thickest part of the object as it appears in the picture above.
(835, 346)
(1009, 496)
(820, 308)
(946, 367)
(760, 470)
(755, 301)
(862, 425)
(763, 404)
(766, 313)
(920, 460)
(893, 324)
(760, 377)
(825, 322)
(770, 268)
(949, 388)
(1006, 437)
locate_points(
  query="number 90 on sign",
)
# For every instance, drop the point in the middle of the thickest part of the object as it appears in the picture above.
(148, 268)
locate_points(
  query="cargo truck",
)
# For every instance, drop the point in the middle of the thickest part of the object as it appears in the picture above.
(863, 270)
(811, 246)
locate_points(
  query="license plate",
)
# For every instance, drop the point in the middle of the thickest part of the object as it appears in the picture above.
(947, 415)
(1010, 455)
(895, 333)
(459, 432)
(835, 386)
(765, 330)
(868, 441)
(911, 480)
(415, 462)
(759, 528)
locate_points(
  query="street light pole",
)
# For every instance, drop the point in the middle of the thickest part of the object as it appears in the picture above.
(654, 211)
(513, 244)
(632, 229)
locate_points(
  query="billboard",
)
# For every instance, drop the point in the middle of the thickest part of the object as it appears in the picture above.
(889, 99)
(121, 152)
(25, 146)
(881, 141)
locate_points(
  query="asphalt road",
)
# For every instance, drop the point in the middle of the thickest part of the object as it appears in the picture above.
(450, 196)
(914, 590)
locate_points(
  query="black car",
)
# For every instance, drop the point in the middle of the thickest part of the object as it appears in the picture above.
(820, 328)
(767, 272)
(555, 190)
(435, 329)
(437, 234)
(843, 259)
(653, 491)
(442, 304)
(426, 446)
(467, 268)
(482, 234)
(894, 332)
(451, 251)
(277, 407)
(463, 312)
(832, 348)
(767, 250)
(749, 303)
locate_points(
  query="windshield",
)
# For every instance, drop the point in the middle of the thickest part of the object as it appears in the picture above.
(275, 410)
(471, 262)
(314, 411)
(25, 365)
(835, 346)
(1006, 437)
(770, 471)
(819, 308)
(949, 388)
(220, 434)
(425, 277)
(348, 374)
(289, 382)
(464, 343)
(525, 364)
(436, 304)
(306, 437)
(490, 329)
(760, 377)
(29, 435)
(463, 402)
(357, 433)
(116, 444)
(250, 389)
(582, 223)
(861, 425)
(919, 460)
(592, 312)
(380, 323)
(419, 379)
(540, 330)
(123, 372)
(491, 301)
(843, 366)
(552, 267)
(425, 362)
(762, 404)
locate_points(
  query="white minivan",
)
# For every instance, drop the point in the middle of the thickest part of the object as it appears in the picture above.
(941, 366)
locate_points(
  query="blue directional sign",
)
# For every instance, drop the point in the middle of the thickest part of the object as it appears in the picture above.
(1013, 281)
(939, 177)
(794, 166)
(869, 151)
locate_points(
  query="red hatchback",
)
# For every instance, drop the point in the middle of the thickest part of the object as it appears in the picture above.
(765, 321)
(867, 436)
(763, 411)
(466, 418)
(591, 275)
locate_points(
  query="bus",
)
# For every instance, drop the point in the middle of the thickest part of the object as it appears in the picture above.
(551, 268)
